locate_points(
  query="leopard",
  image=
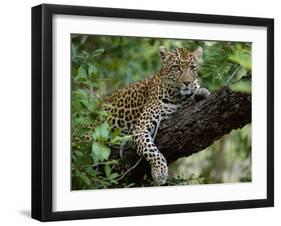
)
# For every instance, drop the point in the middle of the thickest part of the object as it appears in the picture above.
(139, 108)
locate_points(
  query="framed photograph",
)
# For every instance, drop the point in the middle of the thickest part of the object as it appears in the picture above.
(145, 112)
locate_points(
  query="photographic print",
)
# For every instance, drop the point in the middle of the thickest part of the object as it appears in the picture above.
(138, 112)
(159, 112)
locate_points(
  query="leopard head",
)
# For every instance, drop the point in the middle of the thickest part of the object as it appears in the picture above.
(179, 66)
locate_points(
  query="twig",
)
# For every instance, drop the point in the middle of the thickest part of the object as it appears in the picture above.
(102, 79)
(232, 75)
(130, 169)
(104, 163)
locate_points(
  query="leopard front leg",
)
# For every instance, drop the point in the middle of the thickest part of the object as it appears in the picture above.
(201, 93)
(193, 92)
(143, 134)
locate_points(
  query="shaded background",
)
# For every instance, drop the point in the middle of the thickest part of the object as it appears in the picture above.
(102, 64)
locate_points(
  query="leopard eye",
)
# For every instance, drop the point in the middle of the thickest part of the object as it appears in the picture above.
(192, 68)
(176, 67)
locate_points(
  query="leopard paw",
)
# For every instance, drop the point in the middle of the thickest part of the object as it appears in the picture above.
(201, 93)
(159, 173)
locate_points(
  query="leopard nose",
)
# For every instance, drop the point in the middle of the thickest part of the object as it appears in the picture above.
(186, 83)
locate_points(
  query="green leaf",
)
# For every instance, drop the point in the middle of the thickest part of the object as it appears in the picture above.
(101, 113)
(92, 70)
(242, 56)
(84, 103)
(118, 139)
(84, 178)
(107, 170)
(73, 49)
(82, 74)
(114, 175)
(100, 152)
(80, 93)
(130, 185)
(78, 153)
(101, 132)
(78, 157)
(89, 170)
(241, 86)
(97, 52)
(116, 132)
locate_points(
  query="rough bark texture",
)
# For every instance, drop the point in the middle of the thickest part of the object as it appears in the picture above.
(196, 127)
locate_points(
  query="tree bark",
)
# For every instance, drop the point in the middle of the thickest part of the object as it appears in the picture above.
(194, 128)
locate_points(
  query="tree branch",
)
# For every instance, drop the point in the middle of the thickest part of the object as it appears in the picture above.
(196, 127)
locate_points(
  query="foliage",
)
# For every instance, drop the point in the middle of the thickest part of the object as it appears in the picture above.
(102, 64)
(91, 167)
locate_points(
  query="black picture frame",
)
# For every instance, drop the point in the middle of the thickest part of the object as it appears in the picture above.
(42, 107)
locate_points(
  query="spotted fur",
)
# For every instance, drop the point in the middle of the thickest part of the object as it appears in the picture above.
(140, 107)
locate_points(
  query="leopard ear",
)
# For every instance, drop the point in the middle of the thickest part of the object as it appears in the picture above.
(198, 53)
(163, 52)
